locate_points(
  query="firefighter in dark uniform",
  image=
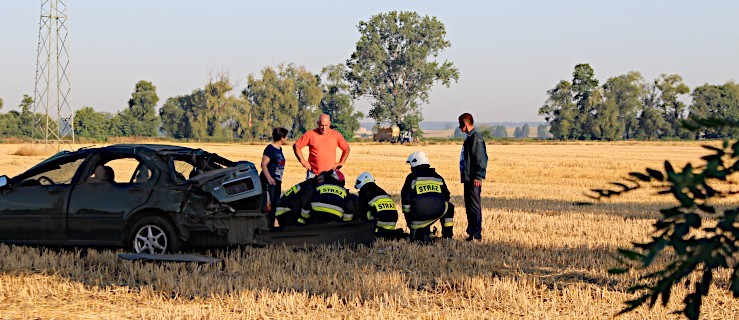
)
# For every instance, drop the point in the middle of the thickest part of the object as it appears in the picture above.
(330, 201)
(425, 199)
(294, 199)
(375, 203)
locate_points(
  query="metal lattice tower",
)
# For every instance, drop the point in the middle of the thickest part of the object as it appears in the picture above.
(54, 117)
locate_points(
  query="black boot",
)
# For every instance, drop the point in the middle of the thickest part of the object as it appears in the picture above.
(422, 235)
(447, 232)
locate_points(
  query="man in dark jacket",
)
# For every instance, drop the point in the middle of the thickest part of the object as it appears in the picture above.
(425, 199)
(473, 164)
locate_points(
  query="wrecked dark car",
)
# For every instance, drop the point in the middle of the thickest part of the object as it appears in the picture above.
(148, 198)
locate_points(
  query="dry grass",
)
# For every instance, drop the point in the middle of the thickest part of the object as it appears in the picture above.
(34, 151)
(543, 256)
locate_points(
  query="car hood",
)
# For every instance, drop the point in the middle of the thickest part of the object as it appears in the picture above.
(234, 183)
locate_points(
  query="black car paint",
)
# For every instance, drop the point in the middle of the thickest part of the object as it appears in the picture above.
(100, 214)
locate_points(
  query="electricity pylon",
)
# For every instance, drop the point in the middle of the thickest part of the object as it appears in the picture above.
(53, 114)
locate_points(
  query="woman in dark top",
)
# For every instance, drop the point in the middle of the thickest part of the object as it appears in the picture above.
(273, 165)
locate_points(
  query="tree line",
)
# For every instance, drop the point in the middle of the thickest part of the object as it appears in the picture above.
(394, 66)
(628, 107)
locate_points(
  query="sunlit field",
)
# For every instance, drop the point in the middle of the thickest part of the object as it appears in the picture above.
(544, 255)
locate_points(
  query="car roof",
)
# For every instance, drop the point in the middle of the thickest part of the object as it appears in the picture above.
(152, 147)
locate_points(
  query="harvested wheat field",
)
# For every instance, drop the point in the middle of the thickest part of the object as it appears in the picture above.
(543, 254)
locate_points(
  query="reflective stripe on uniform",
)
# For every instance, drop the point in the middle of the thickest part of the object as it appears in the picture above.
(448, 222)
(383, 202)
(305, 213)
(328, 208)
(281, 210)
(386, 225)
(292, 190)
(347, 217)
(301, 221)
(369, 215)
(425, 180)
(406, 208)
(428, 186)
(422, 224)
(339, 191)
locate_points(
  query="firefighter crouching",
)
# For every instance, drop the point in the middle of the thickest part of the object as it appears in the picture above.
(425, 199)
(289, 208)
(330, 201)
(375, 203)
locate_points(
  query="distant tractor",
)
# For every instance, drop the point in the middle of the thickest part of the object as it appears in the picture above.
(383, 134)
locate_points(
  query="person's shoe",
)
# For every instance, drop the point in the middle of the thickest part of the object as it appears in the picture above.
(473, 239)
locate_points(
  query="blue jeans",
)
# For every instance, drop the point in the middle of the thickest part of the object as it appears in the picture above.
(273, 191)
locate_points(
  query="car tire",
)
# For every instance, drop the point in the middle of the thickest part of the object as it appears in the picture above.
(153, 235)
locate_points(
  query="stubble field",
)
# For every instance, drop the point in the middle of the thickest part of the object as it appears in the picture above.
(544, 255)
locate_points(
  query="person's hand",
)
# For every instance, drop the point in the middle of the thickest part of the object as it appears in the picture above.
(271, 181)
(306, 165)
(477, 182)
(338, 165)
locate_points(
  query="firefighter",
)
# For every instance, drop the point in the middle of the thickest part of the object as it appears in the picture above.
(376, 204)
(294, 199)
(330, 201)
(425, 199)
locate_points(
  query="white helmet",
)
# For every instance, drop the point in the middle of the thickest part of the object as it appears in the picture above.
(417, 158)
(362, 179)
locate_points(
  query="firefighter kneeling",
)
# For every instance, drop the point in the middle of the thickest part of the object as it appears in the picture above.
(294, 199)
(330, 201)
(425, 199)
(375, 203)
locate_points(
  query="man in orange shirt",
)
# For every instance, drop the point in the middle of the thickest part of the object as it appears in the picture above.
(322, 143)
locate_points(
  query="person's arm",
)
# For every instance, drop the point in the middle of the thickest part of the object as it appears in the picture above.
(265, 170)
(344, 146)
(445, 189)
(480, 158)
(297, 146)
(405, 195)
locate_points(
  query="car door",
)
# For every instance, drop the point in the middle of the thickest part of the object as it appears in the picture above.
(33, 206)
(98, 207)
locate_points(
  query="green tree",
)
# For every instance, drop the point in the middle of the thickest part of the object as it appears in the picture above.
(673, 110)
(518, 133)
(542, 132)
(287, 97)
(91, 124)
(500, 132)
(1, 103)
(337, 100)
(27, 117)
(717, 101)
(10, 123)
(394, 64)
(271, 102)
(140, 119)
(172, 114)
(624, 96)
(560, 111)
(651, 123)
(525, 130)
(309, 95)
(692, 237)
(583, 86)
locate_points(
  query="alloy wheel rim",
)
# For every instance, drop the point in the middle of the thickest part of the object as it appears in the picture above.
(150, 239)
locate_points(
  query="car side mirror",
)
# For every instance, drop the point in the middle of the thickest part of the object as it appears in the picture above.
(3, 181)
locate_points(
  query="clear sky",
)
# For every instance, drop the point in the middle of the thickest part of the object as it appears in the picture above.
(509, 53)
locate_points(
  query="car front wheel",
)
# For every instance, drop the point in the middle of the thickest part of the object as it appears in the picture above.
(154, 235)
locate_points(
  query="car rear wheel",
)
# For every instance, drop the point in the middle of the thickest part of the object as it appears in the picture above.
(154, 235)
